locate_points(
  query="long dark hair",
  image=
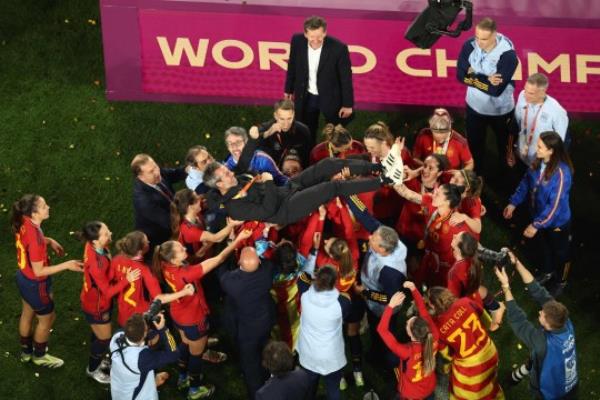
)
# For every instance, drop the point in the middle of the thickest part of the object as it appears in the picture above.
(179, 206)
(24, 207)
(468, 249)
(89, 232)
(440, 299)
(453, 194)
(553, 142)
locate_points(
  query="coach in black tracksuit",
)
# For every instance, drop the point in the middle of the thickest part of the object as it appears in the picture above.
(249, 199)
(248, 290)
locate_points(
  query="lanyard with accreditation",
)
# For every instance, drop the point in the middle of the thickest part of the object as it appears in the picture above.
(529, 134)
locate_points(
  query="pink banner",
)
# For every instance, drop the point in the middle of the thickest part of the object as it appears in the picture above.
(241, 57)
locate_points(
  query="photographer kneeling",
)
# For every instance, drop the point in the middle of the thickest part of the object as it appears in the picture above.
(132, 374)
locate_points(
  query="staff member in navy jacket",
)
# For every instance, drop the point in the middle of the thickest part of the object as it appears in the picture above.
(548, 183)
(152, 195)
(486, 65)
(248, 288)
(319, 77)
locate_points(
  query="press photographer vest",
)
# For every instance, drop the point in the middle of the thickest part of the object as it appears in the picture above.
(559, 369)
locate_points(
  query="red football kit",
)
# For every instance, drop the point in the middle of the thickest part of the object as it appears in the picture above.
(456, 149)
(324, 150)
(412, 220)
(458, 280)
(189, 236)
(99, 283)
(188, 310)
(412, 384)
(136, 297)
(31, 247)
(471, 206)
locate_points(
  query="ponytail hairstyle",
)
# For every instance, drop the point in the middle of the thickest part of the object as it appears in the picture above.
(182, 200)
(337, 135)
(163, 253)
(440, 299)
(132, 243)
(340, 252)
(468, 246)
(473, 183)
(380, 132)
(453, 194)
(89, 232)
(421, 331)
(24, 207)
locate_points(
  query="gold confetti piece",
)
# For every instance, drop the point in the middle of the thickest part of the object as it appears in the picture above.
(37, 375)
(107, 178)
(207, 135)
(84, 343)
(1, 205)
(111, 108)
(44, 122)
(118, 153)
(66, 21)
(6, 354)
(71, 233)
(91, 22)
(76, 319)
(177, 162)
(92, 127)
(519, 346)
(5, 209)
(71, 146)
(97, 83)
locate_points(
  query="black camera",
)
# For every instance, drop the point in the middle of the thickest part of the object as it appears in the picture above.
(500, 258)
(151, 315)
(435, 20)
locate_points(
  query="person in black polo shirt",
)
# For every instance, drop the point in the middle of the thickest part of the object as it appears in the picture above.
(283, 133)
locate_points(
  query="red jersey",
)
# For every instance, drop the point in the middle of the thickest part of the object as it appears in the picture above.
(458, 281)
(474, 356)
(471, 206)
(412, 383)
(136, 297)
(189, 236)
(99, 283)
(324, 150)
(31, 247)
(438, 238)
(412, 220)
(457, 150)
(188, 310)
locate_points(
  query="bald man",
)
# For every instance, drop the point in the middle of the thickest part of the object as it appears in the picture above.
(248, 288)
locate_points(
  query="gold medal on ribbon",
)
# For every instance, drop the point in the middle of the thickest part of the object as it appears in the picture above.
(421, 244)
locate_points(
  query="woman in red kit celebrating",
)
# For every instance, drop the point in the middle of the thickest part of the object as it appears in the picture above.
(338, 143)
(417, 359)
(34, 278)
(190, 313)
(440, 138)
(439, 231)
(136, 297)
(187, 225)
(470, 209)
(465, 277)
(99, 287)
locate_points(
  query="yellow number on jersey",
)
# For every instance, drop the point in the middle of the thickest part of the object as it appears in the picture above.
(21, 253)
(473, 324)
(418, 367)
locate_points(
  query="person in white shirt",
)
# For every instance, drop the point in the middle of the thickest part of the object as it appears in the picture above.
(536, 112)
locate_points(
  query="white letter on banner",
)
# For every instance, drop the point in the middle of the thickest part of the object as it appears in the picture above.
(173, 58)
(442, 63)
(370, 59)
(403, 56)
(265, 57)
(562, 62)
(247, 58)
(582, 68)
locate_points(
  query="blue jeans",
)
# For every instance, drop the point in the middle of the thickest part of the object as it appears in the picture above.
(332, 384)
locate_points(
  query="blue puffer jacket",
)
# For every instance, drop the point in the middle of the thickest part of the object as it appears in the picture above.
(261, 162)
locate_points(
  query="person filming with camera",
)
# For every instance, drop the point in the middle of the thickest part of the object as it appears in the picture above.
(132, 375)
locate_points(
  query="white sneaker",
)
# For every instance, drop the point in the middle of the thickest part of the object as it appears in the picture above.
(393, 165)
(98, 375)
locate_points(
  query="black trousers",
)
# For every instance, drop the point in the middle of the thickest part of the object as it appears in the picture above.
(310, 116)
(476, 129)
(251, 342)
(313, 187)
(555, 250)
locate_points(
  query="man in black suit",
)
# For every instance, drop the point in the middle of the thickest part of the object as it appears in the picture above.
(249, 291)
(152, 196)
(319, 76)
